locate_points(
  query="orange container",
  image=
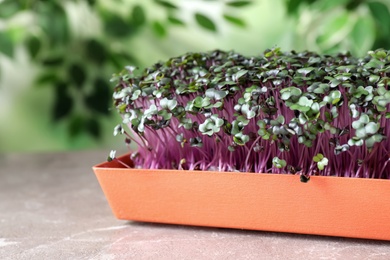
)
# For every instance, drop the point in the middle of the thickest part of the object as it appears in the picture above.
(332, 206)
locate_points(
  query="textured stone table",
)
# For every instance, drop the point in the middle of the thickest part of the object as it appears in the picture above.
(51, 207)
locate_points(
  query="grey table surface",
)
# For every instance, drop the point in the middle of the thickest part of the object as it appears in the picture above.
(52, 207)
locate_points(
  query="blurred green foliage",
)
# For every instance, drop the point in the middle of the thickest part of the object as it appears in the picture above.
(75, 45)
(333, 25)
(78, 66)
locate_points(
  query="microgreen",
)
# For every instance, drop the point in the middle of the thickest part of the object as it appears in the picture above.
(280, 112)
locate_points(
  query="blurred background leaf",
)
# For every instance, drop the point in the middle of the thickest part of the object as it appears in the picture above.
(56, 57)
(6, 44)
(328, 26)
(205, 22)
(234, 20)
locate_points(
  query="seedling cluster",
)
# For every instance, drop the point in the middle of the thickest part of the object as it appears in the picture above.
(280, 112)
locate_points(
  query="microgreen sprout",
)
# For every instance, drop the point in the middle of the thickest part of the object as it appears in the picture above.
(111, 156)
(321, 161)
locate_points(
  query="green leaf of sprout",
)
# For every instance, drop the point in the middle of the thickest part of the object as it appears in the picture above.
(279, 163)
(317, 158)
(321, 161)
(239, 74)
(240, 138)
(215, 94)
